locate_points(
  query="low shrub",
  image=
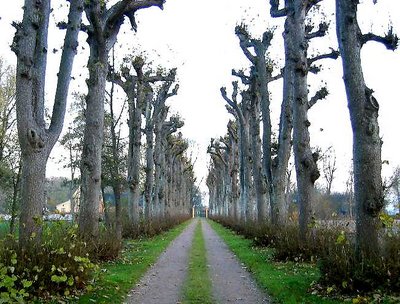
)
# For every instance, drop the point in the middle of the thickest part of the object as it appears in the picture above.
(343, 270)
(152, 228)
(334, 251)
(60, 266)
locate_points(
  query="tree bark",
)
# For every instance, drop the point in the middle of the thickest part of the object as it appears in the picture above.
(36, 141)
(258, 173)
(363, 108)
(89, 211)
(305, 162)
(104, 26)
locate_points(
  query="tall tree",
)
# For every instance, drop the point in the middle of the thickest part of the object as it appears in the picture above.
(113, 155)
(364, 110)
(137, 87)
(161, 153)
(103, 29)
(241, 113)
(155, 110)
(7, 105)
(72, 142)
(36, 140)
(160, 112)
(297, 36)
(329, 168)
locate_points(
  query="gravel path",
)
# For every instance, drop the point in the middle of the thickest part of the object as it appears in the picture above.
(231, 282)
(162, 283)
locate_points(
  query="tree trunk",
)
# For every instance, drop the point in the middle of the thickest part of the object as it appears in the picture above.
(30, 46)
(89, 212)
(279, 206)
(363, 107)
(149, 169)
(305, 162)
(118, 211)
(258, 176)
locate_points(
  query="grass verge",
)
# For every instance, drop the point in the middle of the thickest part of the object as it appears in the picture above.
(197, 288)
(285, 282)
(118, 277)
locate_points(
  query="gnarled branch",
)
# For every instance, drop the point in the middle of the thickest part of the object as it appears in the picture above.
(319, 95)
(390, 40)
(275, 11)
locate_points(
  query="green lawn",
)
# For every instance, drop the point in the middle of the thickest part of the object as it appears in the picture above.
(117, 278)
(198, 288)
(285, 282)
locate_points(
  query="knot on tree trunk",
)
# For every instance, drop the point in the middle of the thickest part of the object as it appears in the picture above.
(370, 101)
(35, 140)
(373, 206)
(310, 164)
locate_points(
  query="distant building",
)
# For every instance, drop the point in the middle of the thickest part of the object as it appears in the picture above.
(65, 208)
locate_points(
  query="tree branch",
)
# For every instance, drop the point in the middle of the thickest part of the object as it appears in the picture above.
(275, 11)
(319, 95)
(128, 8)
(311, 3)
(245, 41)
(332, 55)
(245, 79)
(322, 30)
(66, 63)
(390, 40)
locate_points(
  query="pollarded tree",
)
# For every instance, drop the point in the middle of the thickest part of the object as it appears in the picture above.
(297, 36)
(136, 83)
(241, 113)
(220, 164)
(158, 120)
(103, 29)
(36, 140)
(154, 115)
(364, 109)
(161, 153)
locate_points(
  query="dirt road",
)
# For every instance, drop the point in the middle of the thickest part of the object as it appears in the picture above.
(231, 282)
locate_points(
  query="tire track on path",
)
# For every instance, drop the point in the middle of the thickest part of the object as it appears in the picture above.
(231, 282)
(163, 282)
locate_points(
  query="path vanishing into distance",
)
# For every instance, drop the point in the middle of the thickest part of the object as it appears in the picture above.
(231, 282)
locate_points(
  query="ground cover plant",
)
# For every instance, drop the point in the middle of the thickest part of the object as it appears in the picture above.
(60, 266)
(197, 288)
(64, 267)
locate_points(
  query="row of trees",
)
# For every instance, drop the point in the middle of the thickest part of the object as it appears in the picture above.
(169, 178)
(248, 172)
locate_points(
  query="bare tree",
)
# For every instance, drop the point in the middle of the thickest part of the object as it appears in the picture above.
(297, 65)
(364, 109)
(72, 142)
(103, 28)
(7, 105)
(241, 113)
(329, 168)
(36, 140)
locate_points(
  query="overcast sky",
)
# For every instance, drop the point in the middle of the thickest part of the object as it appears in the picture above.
(198, 38)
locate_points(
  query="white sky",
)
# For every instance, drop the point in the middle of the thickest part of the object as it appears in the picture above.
(198, 38)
